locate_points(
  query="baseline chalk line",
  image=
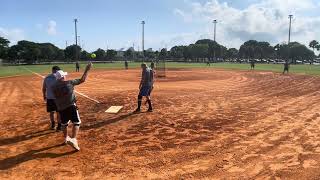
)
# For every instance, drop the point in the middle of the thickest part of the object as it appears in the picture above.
(81, 94)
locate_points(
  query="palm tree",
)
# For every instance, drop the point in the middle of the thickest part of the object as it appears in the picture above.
(314, 44)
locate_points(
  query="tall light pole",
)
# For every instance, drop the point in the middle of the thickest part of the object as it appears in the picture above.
(76, 36)
(79, 41)
(214, 38)
(290, 18)
(214, 29)
(143, 23)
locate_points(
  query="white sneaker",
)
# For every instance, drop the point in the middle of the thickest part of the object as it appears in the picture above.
(66, 140)
(74, 143)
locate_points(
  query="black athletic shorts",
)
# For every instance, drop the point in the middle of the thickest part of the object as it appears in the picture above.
(70, 114)
(51, 105)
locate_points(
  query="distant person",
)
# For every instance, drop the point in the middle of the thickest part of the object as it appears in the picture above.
(126, 64)
(77, 66)
(66, 104)
(49, 97)
(208, 63)
(286, 67)
(145, 87)
(252, 64)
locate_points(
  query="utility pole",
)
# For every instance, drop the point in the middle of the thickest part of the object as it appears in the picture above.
(143, 23)
(66, 44)
(76, 36)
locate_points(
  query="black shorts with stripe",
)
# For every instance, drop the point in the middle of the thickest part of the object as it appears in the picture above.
(70, 114)
(51, 105)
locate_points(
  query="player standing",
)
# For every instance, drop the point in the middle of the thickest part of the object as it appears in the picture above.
(145, 87)
(77, 66)
(152, 75)
(66, 104)
(286, 67)
(48, 96)
(126, 64)
(208, 63)
(252, 63)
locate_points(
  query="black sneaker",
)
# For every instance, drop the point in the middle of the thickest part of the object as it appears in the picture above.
(150, 110)
(58, 128)
(52, 127)
(137, 110)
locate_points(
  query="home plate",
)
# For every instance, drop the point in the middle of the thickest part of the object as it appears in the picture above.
(114, 109)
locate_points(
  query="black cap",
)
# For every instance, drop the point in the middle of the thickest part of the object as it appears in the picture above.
(56, 68)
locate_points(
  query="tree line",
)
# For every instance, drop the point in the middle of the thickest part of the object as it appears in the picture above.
(204, 50)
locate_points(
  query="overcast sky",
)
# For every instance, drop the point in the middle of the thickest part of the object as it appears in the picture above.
(116, 23)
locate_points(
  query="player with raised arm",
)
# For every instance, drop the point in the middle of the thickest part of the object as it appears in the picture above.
(66, 104)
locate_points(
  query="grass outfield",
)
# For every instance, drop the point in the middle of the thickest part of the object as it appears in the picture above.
(20, 70)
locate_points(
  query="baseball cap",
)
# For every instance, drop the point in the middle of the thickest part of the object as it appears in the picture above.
(56, 68)
(60, 74)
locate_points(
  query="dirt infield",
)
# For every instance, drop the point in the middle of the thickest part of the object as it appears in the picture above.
(206, 124)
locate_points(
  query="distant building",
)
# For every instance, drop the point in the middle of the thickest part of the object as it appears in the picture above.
(131, 49)
(120, 52)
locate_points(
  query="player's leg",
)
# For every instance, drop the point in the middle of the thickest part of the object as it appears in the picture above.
(64, 118)
(75, 118)
(52, 126)
(139, 103)
(50, 109)
(59, 122)
(149, 94)
(150, 109)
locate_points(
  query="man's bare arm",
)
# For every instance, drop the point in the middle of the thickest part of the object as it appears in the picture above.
(85, 74)
(44, 90)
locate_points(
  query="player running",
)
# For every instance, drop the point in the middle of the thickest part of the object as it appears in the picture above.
(145, 87)
(48, 96)
(66, 104)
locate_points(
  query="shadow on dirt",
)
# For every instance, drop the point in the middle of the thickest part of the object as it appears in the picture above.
(31, 155)
(25, 137)
(99, 124)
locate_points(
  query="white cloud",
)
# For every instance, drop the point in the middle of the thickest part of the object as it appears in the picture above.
(266, 20)
(51, 30)
(13, 35)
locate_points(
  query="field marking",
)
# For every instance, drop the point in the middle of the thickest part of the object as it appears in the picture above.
(2, 77)
(81, 94)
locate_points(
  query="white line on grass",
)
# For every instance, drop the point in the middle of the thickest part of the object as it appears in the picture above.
(81, 94)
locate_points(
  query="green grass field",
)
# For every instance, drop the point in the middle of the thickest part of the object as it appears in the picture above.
(20, 70)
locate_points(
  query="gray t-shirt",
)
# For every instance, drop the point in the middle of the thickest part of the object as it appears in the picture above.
(48, 82)
(64, 93)
(146, 79)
